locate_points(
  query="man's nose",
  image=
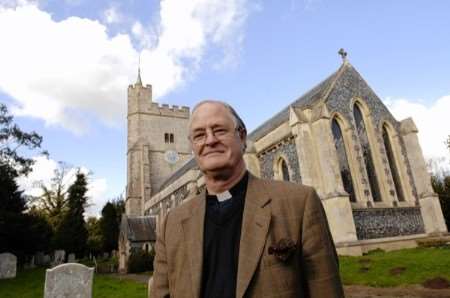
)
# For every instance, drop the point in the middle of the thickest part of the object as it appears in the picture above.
(210, 138)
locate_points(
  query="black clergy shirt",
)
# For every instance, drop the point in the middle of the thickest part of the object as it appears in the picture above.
(222, 232)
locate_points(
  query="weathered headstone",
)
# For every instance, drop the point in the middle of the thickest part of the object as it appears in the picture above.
(46, 260)
(31, 264)
(39, 258)
(69, 280)
(71, 258)
(8, 265)
(58, 257)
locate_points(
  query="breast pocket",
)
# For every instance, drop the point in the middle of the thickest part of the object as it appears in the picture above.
(280, 277)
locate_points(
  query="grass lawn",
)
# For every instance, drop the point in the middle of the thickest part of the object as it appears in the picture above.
(402, 267)
(30, 284)
(378, 269)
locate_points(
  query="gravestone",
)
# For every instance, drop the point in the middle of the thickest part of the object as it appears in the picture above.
(39, 258)
(8, 265)
(69, 280)
(46, 260)
(58, 257)
(31, 264)
(71, 258)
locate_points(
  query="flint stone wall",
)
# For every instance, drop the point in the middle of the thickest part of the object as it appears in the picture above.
(285, 149)
(387, 222)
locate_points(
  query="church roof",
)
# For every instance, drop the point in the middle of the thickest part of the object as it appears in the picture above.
(189, 165)
(313, 96)
(139, 228)
(317, 94)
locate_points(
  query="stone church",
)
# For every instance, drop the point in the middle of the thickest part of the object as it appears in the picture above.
(339, 137)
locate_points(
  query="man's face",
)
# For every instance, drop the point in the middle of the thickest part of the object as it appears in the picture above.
(216, 143)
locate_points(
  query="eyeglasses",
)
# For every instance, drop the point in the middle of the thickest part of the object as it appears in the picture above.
(199, 137)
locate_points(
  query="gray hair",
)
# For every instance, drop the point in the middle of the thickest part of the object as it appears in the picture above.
(240, 125)
(237, 119)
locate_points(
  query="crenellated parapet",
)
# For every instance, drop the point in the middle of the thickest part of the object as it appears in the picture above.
(168, 111)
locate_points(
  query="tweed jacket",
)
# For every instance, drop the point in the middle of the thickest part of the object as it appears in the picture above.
(273, 211)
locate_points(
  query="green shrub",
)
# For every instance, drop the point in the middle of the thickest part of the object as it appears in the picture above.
(140, 261)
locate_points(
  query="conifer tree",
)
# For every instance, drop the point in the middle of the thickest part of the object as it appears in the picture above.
(72, 234)
(110, 227)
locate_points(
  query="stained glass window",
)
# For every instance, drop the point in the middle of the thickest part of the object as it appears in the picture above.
(343, 160)
(392, 165)
(367, 154)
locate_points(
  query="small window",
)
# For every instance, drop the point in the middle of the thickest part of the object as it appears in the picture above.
(285, 171)
(166, 138)
(171, 138)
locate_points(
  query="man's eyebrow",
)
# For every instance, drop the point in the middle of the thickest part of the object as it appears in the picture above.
(217, 125)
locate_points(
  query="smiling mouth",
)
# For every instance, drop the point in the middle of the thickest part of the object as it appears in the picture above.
(212, 152)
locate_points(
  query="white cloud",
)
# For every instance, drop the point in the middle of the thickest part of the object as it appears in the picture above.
(432, 121)
(43, 171)
(186, 30)
(97, 194)
(67, 71)
(112, 15)
(61, 71)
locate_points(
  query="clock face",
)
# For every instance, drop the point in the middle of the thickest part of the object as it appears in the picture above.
(171, 156)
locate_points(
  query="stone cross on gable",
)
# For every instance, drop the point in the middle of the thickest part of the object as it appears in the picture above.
(343, 54)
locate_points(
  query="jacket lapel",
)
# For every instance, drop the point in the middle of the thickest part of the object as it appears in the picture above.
(193, 225)
(255, 225)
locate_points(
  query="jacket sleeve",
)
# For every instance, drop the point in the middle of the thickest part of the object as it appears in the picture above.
(319, 258)
(160, 284)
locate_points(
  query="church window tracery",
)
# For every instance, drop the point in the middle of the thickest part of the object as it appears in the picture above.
(344, 167)
(392, 164)
(367, 153)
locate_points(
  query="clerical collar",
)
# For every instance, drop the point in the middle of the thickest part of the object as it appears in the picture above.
(235, 190)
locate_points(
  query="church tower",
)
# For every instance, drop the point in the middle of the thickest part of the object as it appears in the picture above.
(157, 144)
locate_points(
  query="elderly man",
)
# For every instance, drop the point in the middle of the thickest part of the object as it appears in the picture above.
(242, 236)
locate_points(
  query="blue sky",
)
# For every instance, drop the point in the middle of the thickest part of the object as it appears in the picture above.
(65, 65)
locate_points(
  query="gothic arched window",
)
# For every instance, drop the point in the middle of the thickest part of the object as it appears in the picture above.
(392, 164)
(284, 170)
(366, 152)
(344, 167)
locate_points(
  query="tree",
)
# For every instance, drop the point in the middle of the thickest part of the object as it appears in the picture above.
(119, 205)
(95, 239)
(12, 228)
(52, 203)
(72, 234)
(12, 138)
(16, 227)
(11, 199)
(109, 227)
(110, 223)
(441, 186)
